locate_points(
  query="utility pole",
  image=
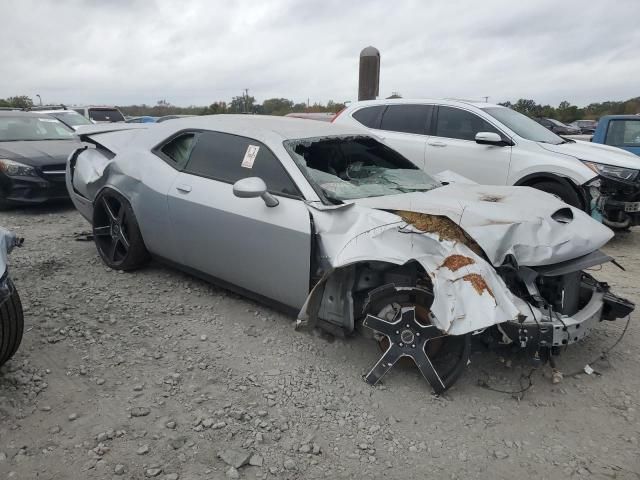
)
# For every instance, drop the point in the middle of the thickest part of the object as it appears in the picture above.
(486, 99)
(245, 94)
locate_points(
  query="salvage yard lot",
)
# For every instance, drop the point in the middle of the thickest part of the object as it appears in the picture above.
(155, 373)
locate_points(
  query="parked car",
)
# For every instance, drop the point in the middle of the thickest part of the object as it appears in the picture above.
(69, 117)
(320, 116)
(586, 127)
(491, 144)
(171, 117)
(11, 314)
(143, 119)
(101, 114)
(327, 221)
(33, 153)
(622, 131)
(556, 126)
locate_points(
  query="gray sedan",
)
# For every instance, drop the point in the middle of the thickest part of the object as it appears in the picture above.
(333, 224)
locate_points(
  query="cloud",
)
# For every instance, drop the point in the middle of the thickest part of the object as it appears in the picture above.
(200, 51)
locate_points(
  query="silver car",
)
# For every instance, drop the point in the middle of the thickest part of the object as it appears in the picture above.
(329, 222)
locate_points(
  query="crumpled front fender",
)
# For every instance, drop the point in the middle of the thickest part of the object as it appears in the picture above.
(468, 293)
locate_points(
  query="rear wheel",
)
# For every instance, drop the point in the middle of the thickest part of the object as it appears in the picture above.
(11, 323)
(561, 191)
(116, 233)
(401, 320)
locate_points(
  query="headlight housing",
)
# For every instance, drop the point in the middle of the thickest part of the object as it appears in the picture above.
(610, 171)
(16, 169)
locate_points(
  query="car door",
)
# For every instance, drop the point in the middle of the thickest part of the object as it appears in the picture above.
(404, 127)
(452, 146)
(241, 241)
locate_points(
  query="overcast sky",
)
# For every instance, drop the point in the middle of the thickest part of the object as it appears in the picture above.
(200, 51)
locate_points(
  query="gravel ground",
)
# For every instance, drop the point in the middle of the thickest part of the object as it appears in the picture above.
(156, 374)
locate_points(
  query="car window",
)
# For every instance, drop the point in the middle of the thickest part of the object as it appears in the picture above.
(105, 115)
(623, 133)
(30, 128)
(460, 124)
(348, 167)
(369, 116)
(179, 149)
(71, 117)
(229, 158)
(406, 118)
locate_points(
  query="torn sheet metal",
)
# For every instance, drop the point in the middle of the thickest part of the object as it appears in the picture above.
(468, 294)
(505, 221)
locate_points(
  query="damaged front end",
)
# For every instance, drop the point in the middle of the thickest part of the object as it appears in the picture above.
(419, 280)
(561, 303)
(615, 201)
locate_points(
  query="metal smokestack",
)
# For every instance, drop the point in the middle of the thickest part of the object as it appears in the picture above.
(369, 79)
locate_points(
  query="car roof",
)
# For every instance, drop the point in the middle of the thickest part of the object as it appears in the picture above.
(439, 101)
(278, 128)
(19, 113)
(620, 117)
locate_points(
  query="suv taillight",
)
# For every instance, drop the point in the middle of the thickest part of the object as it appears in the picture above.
(337, 114)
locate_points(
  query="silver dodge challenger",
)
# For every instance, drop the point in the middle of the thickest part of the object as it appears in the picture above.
(331, 223)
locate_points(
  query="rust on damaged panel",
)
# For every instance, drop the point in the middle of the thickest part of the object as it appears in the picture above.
(456, 262)
(443, 226)
(478, 283)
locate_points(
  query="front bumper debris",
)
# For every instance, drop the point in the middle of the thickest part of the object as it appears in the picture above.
(545, 326)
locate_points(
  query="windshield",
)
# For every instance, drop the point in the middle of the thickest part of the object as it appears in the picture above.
(72, 118)
(345, 168)
(523, 125)
(105, 115)
(28, 128)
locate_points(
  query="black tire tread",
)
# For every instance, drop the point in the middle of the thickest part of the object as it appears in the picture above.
(11, 325)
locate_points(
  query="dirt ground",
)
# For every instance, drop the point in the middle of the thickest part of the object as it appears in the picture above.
(156, 374)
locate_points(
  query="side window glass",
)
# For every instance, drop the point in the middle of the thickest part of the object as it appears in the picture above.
(623, 133)
(406, 118)
(369, 116)
(221, 156)
(179, 149)
(460, 124)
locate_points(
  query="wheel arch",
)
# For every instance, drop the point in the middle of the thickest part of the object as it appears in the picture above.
(533, 178)
(336, 301)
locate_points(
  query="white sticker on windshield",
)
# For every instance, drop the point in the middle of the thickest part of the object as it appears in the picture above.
(52, 120)
(250, 156)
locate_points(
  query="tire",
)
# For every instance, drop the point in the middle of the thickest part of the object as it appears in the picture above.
(11, 324)
(116, 232)
(564, 192)
(451, 355)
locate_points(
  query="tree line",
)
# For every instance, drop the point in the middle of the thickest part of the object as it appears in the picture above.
(565, 112)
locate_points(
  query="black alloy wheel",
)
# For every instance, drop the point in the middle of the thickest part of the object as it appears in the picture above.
(116, 233)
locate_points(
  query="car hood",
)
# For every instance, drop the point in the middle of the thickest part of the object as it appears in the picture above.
(594, 152)
(38, 153)
(516, 221)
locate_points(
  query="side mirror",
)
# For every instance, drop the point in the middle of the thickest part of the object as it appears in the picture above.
(490, 138)
(254, 187)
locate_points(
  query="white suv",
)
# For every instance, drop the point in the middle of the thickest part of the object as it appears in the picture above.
(495, 145)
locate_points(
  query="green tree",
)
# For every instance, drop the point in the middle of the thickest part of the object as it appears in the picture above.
(20, 101)
(242, 104)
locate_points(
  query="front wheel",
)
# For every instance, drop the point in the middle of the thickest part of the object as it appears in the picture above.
(116, 233)
(11, 321)
(561, 191)
(401, 320)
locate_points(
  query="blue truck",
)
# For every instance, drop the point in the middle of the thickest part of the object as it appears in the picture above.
(622, 131)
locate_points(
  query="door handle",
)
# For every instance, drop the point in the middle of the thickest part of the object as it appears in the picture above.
(183, 188)
(437, 144)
